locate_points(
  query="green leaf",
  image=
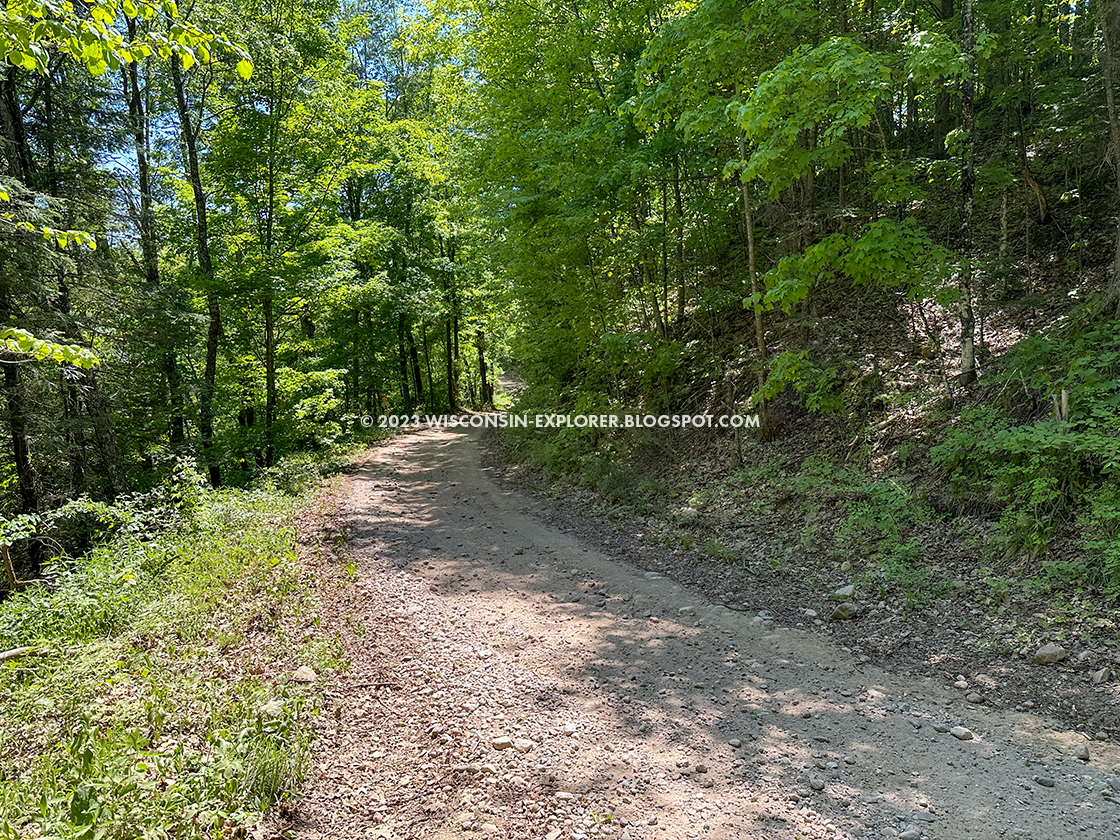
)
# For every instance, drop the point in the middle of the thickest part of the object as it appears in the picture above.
(245, 69)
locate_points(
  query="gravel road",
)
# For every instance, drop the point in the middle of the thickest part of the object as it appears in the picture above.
(508, 679)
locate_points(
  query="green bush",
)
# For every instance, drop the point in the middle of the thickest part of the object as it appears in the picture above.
(815, 384)
(1039, 471)
(1100, 529)
(118, 726)
(882, 521)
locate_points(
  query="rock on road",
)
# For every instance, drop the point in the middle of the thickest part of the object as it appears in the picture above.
(508, 679)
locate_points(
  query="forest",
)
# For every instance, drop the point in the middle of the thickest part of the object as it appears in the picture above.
(233, 231)
(233, 235)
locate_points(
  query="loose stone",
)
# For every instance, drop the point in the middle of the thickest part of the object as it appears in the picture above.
(1049, 654)
(845, 611)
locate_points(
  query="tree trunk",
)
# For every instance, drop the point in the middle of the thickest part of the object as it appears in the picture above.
(355, 362)
(414, 358)
(21, 452)
(403, 355)
(16, 151)
(449, 302)
(487, 390)
(1108, 12)
(269, 383)
(75, 438)
(96, 405)
(756, 292)
(16, 166)
(177, 435)
(678, 207)
(149, 249)
(968, 189)
(98, 408)
(428, 363)
(206, 271)
(942, 103)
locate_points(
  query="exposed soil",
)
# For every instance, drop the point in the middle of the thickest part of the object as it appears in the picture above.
(520, 670)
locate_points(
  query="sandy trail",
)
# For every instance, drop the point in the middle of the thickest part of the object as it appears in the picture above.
(508, 679)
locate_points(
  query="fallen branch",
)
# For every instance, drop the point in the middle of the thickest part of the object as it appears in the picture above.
(14, 584)
(16, 653)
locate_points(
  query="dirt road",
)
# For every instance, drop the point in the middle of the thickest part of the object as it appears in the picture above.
(508, 679)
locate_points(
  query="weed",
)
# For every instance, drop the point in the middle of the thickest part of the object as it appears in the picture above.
(1047, 471)
(999, 591)
(1100, 528)
(1056, 575)
(718, 551)
(127, 733)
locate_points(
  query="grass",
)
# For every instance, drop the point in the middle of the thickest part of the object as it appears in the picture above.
(157, 704)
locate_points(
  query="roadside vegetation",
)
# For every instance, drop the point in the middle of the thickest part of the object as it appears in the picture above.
(150, 690)
(874, 227)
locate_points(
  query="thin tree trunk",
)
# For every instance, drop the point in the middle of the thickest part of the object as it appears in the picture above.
(403, 354)
(678, 207)
(149, 251)
(355, 362)
(17, 165)
(1108, 12)
(16, 150)
(942, 102)
(269, 383)
(449, 302)
(206, 271)
(21, 452)
(414, 357)
(968, 188)
(98, 408)
(487, 395)
(756, 291)
(71, 417)
(428, 363)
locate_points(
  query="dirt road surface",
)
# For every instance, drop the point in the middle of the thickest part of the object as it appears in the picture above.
(509, 679)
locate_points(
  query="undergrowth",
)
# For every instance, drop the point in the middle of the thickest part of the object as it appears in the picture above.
(153, 702)
(1042, 449)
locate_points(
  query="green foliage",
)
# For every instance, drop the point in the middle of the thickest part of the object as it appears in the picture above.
(1099, 524)
(888, 253)
(31, 29)
(833, 89)
(902, 570)
(24, 343)
(823, 481)
(715, 549)
(295, 474)
(881, 522)
(1039, 472)
(119, 727)
(815, 385)
(1057, 576)
(934, 58)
